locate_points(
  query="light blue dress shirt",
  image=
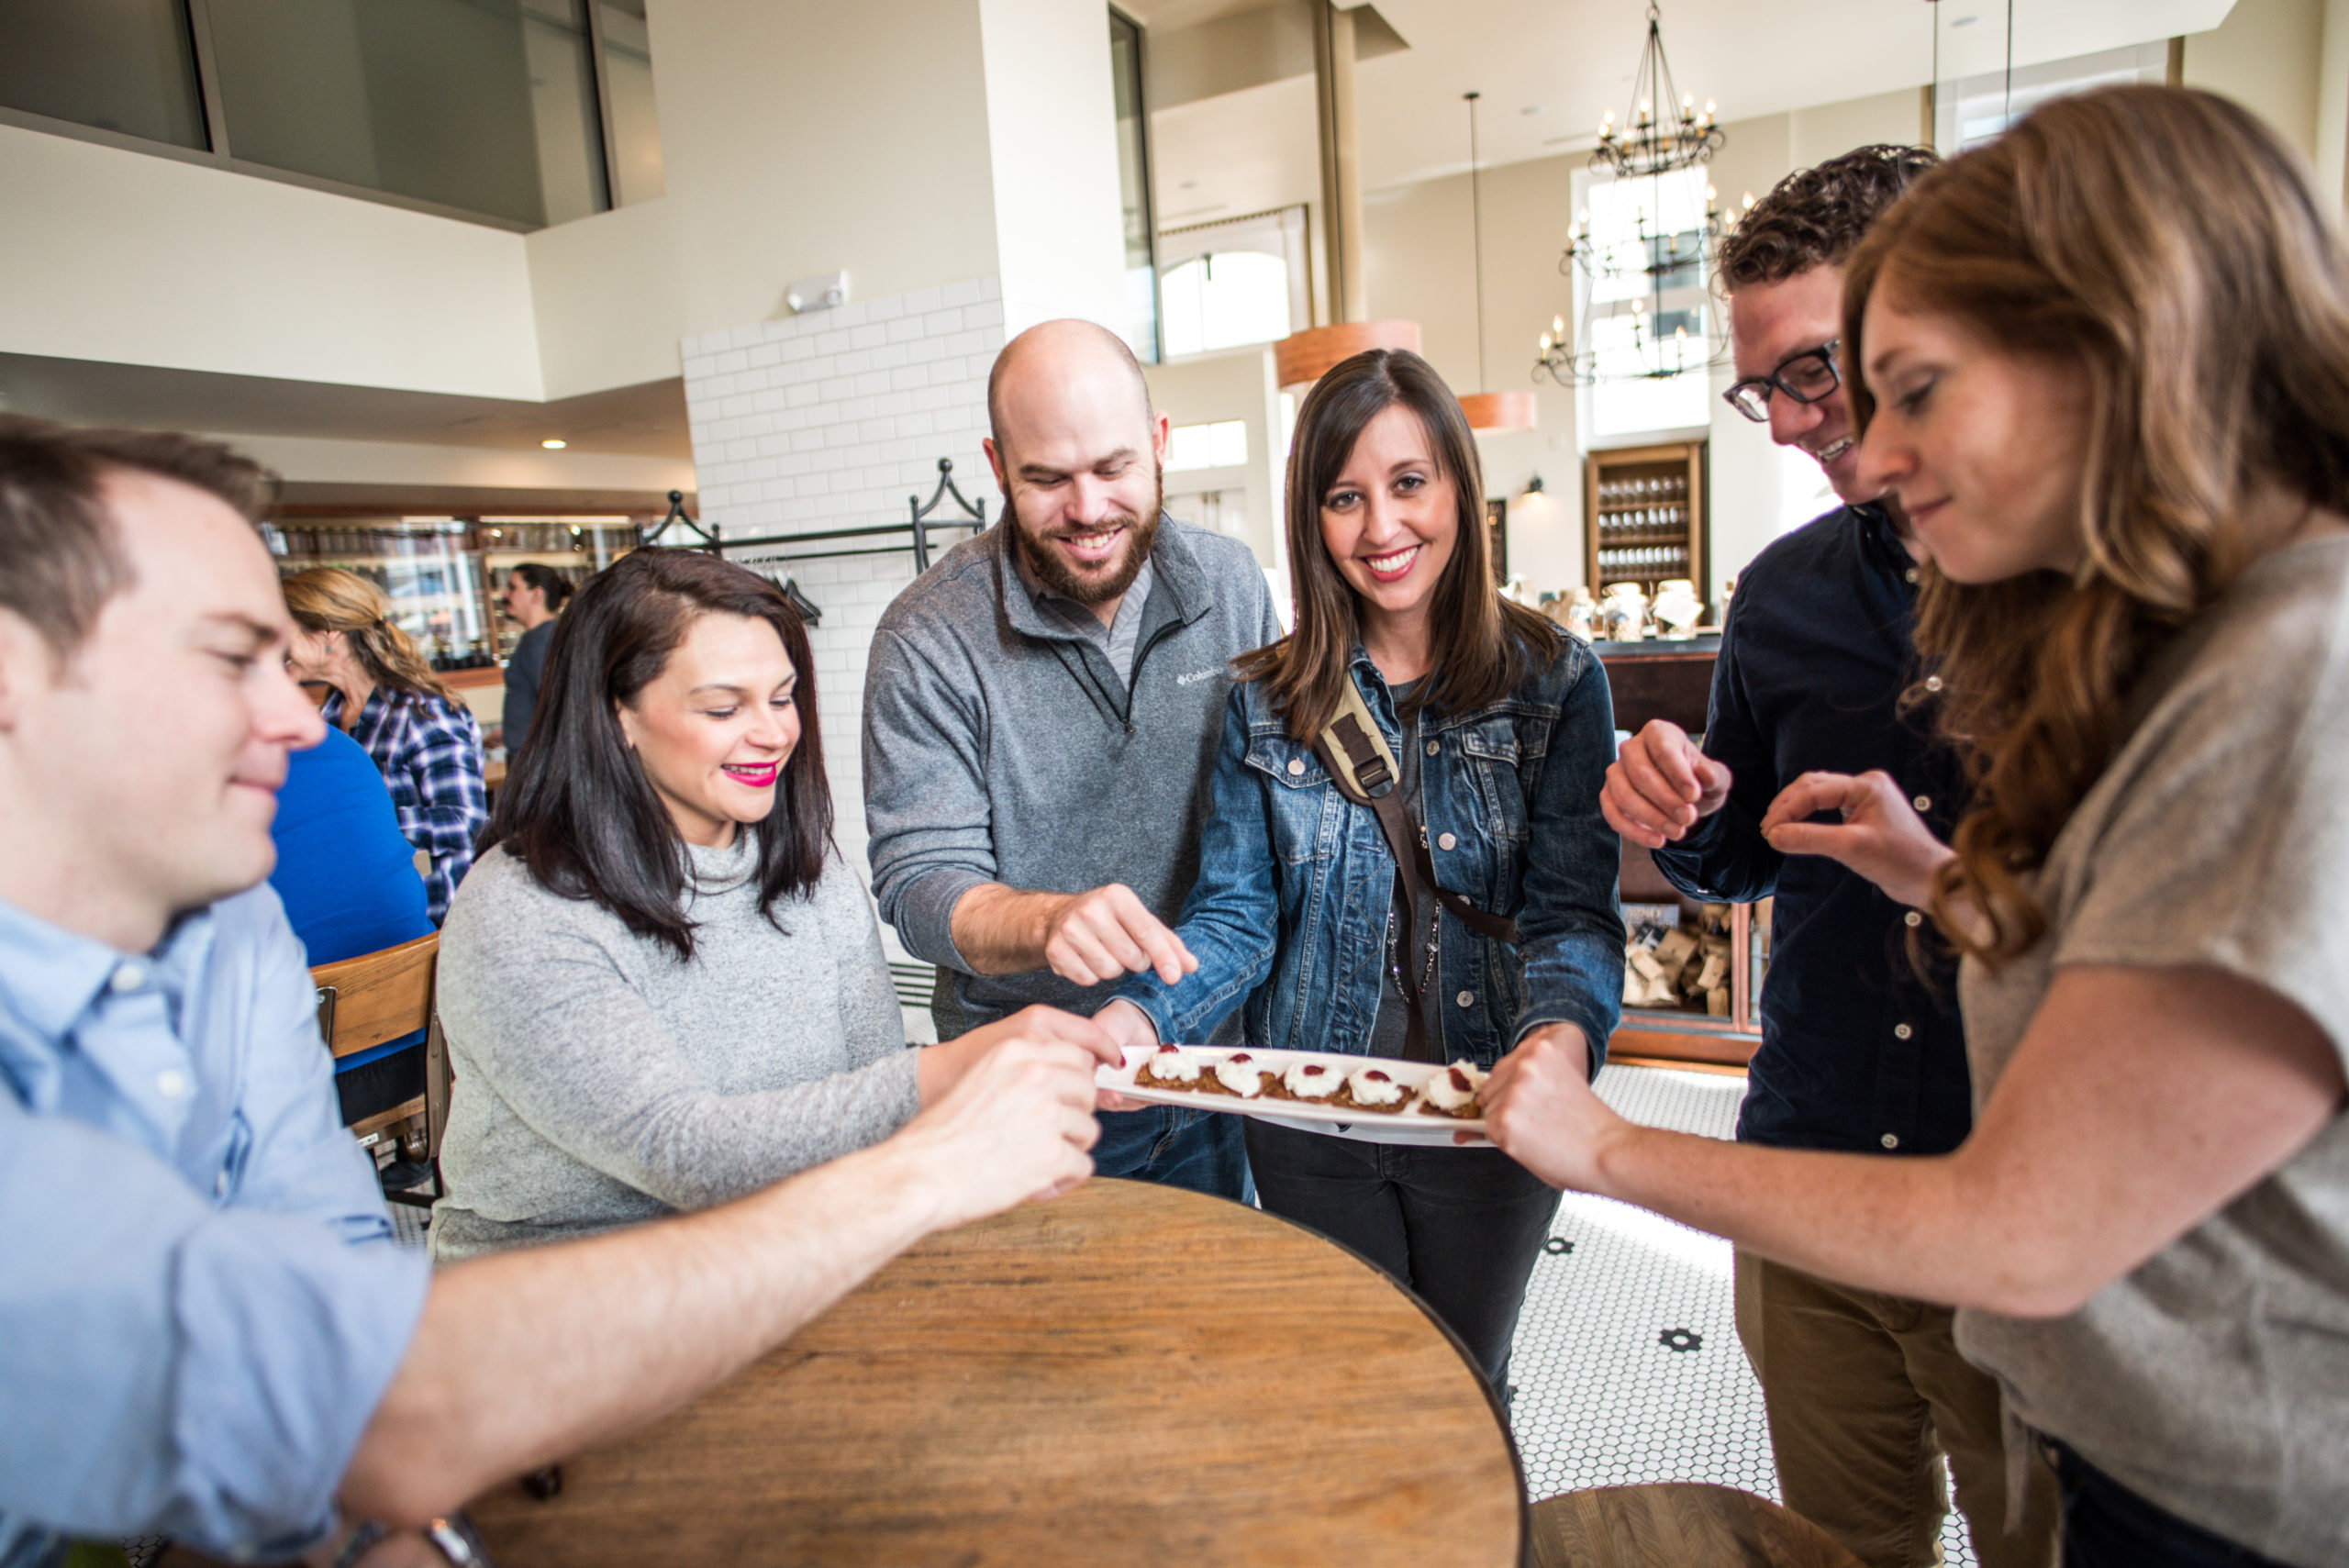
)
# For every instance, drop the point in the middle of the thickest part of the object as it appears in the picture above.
(202, 1299)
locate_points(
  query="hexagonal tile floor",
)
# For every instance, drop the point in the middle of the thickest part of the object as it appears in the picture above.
(1628, 1366)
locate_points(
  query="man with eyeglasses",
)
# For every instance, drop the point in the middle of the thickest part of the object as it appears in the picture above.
(1861, 1048)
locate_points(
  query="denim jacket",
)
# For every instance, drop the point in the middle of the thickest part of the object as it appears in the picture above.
(1289, 911)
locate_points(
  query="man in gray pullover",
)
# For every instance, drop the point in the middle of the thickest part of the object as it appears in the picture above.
(1041, 715)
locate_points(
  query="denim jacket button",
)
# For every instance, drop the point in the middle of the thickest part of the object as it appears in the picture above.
(1446, 841)
(1467, 998)
(1434, 747)
(1295, 766)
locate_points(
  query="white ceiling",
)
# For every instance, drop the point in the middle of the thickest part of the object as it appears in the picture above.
(1548, 68)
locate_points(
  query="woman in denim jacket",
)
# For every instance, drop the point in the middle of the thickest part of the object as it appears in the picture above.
(1502, 728)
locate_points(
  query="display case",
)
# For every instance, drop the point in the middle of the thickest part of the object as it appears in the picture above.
(1647, 517)
(442, 574)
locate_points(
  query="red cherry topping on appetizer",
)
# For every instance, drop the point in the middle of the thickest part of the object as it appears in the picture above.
(1165, 1048)
(1315, 1072)
(1375, 1076)
(1241, 1056)
(1460, 1081)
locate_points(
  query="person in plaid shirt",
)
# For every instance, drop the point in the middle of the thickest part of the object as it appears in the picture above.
(422, 735)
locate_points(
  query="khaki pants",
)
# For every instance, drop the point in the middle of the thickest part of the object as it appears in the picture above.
(1865, 1392)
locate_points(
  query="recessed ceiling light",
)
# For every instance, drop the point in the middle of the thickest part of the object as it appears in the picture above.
(554, 445)
(1964, 21)
(1188, 186)
(1531, 109)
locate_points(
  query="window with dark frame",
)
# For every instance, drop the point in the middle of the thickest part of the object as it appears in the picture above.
(521, 113)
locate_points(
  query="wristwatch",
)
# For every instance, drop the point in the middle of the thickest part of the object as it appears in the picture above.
(454, 1538)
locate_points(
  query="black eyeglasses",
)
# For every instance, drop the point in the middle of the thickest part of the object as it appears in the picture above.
(1806, 377)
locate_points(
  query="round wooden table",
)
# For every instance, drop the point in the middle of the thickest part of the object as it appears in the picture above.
(1130, 1373)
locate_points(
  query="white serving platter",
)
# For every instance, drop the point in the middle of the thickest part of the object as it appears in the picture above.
(1412, 1126)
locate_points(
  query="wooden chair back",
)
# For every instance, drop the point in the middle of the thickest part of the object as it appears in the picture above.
(380, 996)
(1677, 1525)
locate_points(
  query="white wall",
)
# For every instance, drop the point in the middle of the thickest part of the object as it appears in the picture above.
(2265, 56)
(1052, 147)
(128, 258)
(798, 138)
(1233, 385)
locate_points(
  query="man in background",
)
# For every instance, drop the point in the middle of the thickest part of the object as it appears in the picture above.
(533, 596)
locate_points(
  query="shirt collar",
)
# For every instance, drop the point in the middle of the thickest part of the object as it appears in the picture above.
(52, 979)
(1880, 541)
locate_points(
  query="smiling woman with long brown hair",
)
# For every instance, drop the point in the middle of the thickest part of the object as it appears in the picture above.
(1500, 728)
(2106, 372)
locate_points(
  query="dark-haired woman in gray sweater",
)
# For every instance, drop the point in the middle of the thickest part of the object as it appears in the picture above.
(662, 986)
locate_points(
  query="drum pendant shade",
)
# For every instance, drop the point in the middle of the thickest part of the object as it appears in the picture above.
(1302, 357)
(1498, 410)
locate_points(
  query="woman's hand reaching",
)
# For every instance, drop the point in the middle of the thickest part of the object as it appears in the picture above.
(1880, 837)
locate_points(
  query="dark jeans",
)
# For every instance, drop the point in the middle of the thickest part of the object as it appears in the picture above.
(1175, 1148)
(1460, 1227)
(2107, 1526)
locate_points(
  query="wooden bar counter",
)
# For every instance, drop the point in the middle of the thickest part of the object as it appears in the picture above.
(1128, 1374)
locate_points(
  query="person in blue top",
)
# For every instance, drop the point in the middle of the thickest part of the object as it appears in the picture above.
(349, 882)
(345, 874)
(207, 1328)
(1502, 728)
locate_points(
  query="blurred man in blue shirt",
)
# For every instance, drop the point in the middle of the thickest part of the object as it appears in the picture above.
(210, 1331)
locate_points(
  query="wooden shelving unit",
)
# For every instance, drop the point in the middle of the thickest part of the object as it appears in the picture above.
(1647, 517)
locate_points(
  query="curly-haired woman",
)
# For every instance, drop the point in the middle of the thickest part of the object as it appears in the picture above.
(2103, 363)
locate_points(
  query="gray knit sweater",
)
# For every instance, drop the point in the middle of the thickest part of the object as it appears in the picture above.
(599, 1082)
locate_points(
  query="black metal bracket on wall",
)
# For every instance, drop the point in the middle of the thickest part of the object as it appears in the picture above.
(974, 516)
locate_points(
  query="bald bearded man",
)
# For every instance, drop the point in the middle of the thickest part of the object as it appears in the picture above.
(1041, 712)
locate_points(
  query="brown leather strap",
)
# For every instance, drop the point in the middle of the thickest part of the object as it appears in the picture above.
(1408, 843)
(1405, 837)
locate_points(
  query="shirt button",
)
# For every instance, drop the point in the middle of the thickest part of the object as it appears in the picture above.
(1901, 1031)
(1446, 841)
(1434, 747)
(1923, 803)
(220, 1184)
(171, 1082)
(1911, 574)
(1912, 918)
(1295, 766)
(129, 977)
(1467, 998)
(1890, 1140)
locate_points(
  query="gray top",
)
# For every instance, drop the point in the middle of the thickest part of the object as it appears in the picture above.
(599, 1082)
(2214, 1378)
(1000, 746)
(1120, 637)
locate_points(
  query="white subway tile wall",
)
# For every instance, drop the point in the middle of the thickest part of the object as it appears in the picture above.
(831, 420)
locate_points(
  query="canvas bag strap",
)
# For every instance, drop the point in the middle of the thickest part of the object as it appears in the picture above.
(1363, 769)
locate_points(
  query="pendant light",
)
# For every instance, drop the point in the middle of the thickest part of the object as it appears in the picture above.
(1487, 410)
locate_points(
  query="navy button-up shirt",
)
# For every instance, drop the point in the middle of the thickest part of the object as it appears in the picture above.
(1859, 1051)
